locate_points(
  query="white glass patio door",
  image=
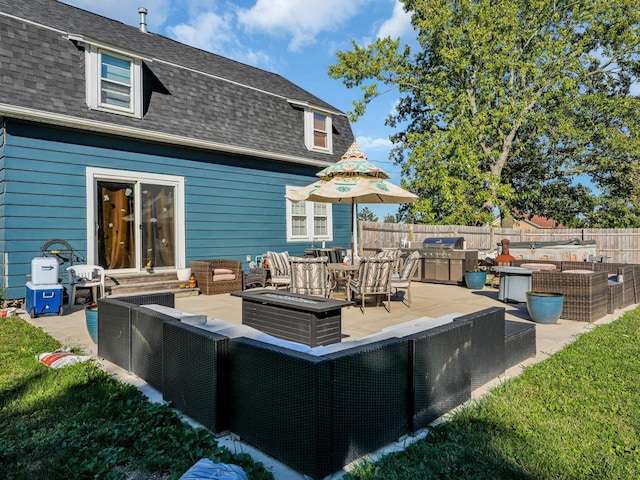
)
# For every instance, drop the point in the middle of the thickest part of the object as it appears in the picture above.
(137, 220)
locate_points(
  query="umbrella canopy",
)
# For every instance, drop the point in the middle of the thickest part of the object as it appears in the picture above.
(353, 179)
(353, 163)
(346, 189)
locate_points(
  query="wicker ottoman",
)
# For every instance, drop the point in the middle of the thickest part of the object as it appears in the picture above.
(519, 342)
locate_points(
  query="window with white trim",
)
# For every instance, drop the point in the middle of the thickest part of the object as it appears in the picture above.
(318, 131)
(113, 82)
(309, 221)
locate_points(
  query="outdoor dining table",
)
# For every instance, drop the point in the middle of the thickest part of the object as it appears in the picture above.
(342, 273)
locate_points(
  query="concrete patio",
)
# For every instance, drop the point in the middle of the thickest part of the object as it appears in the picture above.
(429, 299)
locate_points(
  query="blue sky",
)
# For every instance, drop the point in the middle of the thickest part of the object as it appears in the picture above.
(296, 39)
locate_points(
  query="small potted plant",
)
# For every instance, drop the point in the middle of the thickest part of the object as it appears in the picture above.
(475, 279)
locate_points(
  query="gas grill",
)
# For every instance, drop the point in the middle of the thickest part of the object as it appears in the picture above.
(445, 259)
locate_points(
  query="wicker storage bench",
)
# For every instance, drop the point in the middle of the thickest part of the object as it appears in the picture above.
(203, 271)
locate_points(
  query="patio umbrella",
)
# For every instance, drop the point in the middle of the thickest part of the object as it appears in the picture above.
(352, 179)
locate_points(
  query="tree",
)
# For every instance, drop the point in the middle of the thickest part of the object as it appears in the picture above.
(389, 218)
(367, 215)
(518, 105)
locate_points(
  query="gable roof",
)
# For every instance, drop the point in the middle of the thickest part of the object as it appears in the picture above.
(194, 97)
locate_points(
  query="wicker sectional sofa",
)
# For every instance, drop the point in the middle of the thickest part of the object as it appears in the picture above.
(591, 296)
(315, 409)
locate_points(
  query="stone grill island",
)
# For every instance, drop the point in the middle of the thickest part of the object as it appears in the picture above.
(305, 319)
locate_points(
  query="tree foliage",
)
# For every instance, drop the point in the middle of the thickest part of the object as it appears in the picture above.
(367, 215)
(519, 106)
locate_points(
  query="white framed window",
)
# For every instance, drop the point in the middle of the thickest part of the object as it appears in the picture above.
(113, 82)
(318, 126)
(309, 221)
(318, 131)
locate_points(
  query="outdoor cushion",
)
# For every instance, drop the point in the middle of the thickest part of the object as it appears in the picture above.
(373, 276)
(397, 331)
(246, 331)
(226, 276)
(222, 271)
(188, 318)
(425, 322)
(213, 325)
(394, 253)
(539, 266)
(310, 276)
(578, 271)
(279, 263)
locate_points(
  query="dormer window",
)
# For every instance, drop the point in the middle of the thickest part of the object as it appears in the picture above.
(317, 131)
(318, 127)
(116, 76)
(113, 79)
(320, 133)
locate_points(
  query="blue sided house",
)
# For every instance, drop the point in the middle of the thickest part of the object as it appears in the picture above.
(136, 149)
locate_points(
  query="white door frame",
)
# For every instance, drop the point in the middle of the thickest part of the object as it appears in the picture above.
(94, 174)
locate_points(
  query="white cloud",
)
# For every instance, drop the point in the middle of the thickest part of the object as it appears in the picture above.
(398, 25)
(369, 143)
(208, 31)
(301, 19)
(215, 33)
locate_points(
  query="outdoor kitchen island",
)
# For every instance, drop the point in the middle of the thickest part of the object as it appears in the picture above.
(305, 319)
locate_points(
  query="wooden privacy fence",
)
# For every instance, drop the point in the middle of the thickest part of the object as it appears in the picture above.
(619, 244)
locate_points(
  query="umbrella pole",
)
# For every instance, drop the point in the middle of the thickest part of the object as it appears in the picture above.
(354, 230)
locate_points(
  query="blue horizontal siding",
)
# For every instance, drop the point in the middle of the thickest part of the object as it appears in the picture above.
(234, 205)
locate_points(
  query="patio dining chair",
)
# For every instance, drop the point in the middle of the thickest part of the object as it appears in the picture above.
(374, 278)
(394, 254)
(310, 276)
(279, 268)
(403, 280)
(85, 276)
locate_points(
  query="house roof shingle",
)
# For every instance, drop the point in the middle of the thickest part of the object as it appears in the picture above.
(193, 96)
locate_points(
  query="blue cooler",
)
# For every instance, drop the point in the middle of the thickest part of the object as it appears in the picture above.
(42, 299)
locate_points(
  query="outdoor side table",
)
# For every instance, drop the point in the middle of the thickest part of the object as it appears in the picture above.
(514, 284)
(254, 277)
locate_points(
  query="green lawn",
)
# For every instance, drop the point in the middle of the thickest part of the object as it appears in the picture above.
(78, 422)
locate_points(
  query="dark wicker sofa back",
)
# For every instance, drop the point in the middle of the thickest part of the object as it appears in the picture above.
(114, 325)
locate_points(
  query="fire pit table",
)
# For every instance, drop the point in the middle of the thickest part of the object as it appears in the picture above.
(299, 318)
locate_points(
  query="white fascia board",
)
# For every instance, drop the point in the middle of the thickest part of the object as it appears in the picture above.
(310, 106)
(82, 40)
(11, 111)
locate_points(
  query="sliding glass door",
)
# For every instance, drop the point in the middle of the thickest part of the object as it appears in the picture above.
(138, 221)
